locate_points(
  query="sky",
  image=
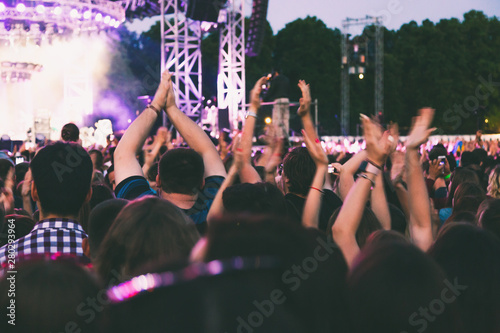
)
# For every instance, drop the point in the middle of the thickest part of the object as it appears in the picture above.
(332, 12)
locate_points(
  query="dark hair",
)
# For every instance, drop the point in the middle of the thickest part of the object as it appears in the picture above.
(147, 229)
(5, 166)
(50, 296)
(20, 171)
(22, 226)
(388, 284)
(468, 196)
(299, 169)
(62, 173)
(436, 151)
(488, 216)
(470, 258)
(181, 171)
(259, 198)
(368, 224)
(70, 133)
(152, 172)
(99, 158)
(100, 220)
(100, 193)
(461, 175)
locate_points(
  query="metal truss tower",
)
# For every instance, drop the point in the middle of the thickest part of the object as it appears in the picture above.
(345, 62)
(181, 47)
(231, 79)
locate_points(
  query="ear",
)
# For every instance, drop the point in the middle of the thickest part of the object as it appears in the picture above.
(89, 195)
(34, 192)
(86, 247)
(158, 181)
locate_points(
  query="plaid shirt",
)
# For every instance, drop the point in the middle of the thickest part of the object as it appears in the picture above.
(52, 236)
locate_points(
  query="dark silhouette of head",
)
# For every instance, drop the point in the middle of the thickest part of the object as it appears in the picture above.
(470, 256)
(181, 171)
(299, 169)
(259, 198)
(388, 284)
(488, 216)
(62, 173)
(51, 296)
(70, 133)
(100, 220)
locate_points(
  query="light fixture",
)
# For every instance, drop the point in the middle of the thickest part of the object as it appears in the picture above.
(40, 9)
(21, 7)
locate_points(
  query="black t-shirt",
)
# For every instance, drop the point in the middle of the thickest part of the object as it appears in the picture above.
(329, 204)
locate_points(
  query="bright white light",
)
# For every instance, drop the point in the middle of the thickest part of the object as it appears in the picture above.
(58, 10)
(112, 22)
(87, 14)
(73, 13)
(20, 7)
(40, 9)
(361, 76)
(98, 17)
(129, 121)
(117, 24)
(107, 19)
(2, 7)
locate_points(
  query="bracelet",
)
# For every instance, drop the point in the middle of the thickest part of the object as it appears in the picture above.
(250, 114)
(317, 189)
(365, 176)
(152, 107)
(375, 165)
(447, 177)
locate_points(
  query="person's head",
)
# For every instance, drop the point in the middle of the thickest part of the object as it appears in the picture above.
(62, 173)
(494, 183)
(470, 258)
(368, 224)
(488, 216)
(388, 284)
(460, 175)
(20, 171)
(97, 159)
(20, 224)
(259, 198)
(109, 179)
(147, 229)
(437, 151)
(468, 196)
(100, 193)
(50, 296)
(70, 133)
(181, 171)
(151, 176)
(298, 170)
(6, 165)
(100, 220)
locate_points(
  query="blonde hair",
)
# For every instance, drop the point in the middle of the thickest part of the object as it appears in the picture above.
(494, 183)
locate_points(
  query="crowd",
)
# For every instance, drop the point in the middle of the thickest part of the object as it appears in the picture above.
(184, 235)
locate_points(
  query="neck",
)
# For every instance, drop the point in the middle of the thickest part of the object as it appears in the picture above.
(56, 216)
(183, 201)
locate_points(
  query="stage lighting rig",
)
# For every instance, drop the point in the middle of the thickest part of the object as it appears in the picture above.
(12, 72)
(20, 19)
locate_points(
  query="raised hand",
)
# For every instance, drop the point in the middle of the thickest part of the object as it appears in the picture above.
(378, 143)
(161, 96)
(305, 101)
(255, 93)
(420, 130)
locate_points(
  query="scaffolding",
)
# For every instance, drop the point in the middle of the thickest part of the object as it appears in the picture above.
(231, 79)
(181, 55)
(346, 61)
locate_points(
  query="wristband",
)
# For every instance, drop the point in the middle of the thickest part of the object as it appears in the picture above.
(365, 176)
(251, 114)
(317, 189)
(367, 166)
(152, 107)
(447, 177)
